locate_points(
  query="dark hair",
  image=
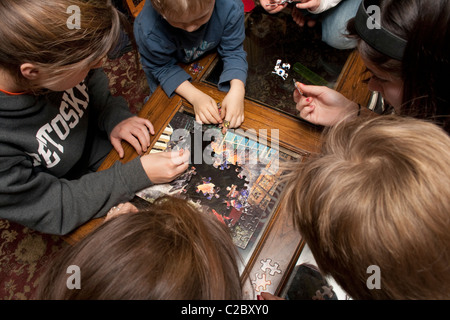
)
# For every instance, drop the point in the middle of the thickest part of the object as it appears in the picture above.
(425, 67)
(170, 251)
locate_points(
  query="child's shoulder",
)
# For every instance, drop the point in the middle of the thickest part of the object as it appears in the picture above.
(148, 16)
(226, 10)
(229, 5)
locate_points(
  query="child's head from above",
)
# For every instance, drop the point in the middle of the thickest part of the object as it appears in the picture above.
(378, 195)
(41, 49)
(188, 15)
(169, 251)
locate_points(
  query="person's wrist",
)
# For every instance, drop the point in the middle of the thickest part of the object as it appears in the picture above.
(354, 108)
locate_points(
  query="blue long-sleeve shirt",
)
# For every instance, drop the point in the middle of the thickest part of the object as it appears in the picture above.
(163, 46)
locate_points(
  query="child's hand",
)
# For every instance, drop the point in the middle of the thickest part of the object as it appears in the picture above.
(136, 131)
(300, 19)
(163, 167)
(205, 109)
(272, 6)
(311, 5)
(322, 105)
(233, 105)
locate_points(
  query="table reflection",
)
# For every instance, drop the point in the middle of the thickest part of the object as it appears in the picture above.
(278, 51)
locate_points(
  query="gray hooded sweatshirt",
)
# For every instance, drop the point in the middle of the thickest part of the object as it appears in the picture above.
(50, 146)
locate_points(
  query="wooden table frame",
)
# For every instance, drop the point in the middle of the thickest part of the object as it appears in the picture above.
(280, 242)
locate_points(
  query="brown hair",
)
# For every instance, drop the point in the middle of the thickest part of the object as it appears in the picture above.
(170, 8)
(378, 195)
(170, 251)
(425, 66)
(37, 32)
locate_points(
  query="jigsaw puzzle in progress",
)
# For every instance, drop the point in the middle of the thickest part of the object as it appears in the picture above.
(236, 178)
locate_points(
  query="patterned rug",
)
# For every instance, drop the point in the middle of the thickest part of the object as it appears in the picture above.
(24, 252)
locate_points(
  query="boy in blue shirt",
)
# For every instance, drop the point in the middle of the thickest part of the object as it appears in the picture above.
(172, 31)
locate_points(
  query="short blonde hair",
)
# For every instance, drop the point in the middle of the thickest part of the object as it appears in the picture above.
(173, 8)
(379, 194)
(37, 32)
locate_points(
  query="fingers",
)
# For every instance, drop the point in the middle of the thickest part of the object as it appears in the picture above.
(312, 91)
(310, 4)
(273, 7)
(150, 127)
(138, 141)
(306, 112)
(214, 115)
(236, 121)
(304, 105)
(208, 115)
(121, 208)
(269, 296)
(179, 157)
(198, 119)
(298, 17)
(136, 131)
(232, 121)
(118, 147)
(163, 167)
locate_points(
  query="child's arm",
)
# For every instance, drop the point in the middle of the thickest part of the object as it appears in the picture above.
(233, 104)
(231, 47)
(41, 201)
(234, 74)
(205, 107)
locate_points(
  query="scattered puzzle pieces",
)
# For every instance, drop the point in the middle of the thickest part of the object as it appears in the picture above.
(327, 291)
(267, 265)
(260, 281)
(195, 68)
(281, 69)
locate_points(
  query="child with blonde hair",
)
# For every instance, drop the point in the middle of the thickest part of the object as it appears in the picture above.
(58, 119)
(171, 31)
(374, 207)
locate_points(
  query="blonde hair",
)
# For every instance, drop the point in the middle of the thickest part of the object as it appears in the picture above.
(174, 8)
(379, 195)
(37, 32)
(170, 251)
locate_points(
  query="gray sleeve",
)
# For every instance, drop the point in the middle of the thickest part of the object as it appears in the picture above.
(52, 205)
(110, 109)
